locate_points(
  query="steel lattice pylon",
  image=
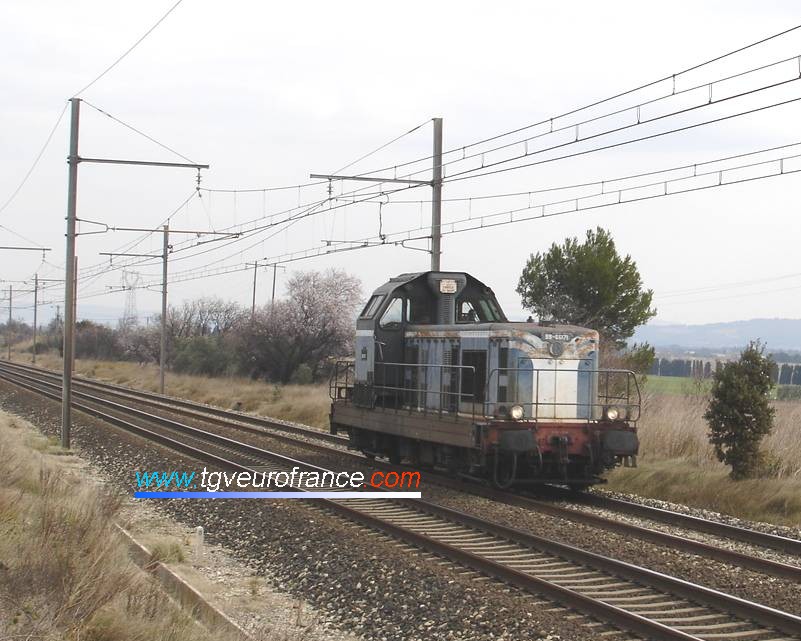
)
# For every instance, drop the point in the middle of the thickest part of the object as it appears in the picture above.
(130, 281)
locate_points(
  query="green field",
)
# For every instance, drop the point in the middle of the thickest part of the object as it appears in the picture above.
(688, 386)
(677, 385)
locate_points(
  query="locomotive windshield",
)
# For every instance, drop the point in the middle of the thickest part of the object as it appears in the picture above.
(372, 306)
(472, 309)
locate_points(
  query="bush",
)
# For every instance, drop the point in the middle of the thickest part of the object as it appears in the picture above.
(303, 375)
(93, 340)
(207, 355)
(739, 412)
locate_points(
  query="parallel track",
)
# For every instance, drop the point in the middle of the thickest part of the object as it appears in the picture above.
(646, 603)
(278, 429)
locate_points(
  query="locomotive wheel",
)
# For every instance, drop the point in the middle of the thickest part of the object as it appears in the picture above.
(504, 470)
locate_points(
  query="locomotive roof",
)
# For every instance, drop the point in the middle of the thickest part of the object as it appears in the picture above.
(403, 279)
(415, 287)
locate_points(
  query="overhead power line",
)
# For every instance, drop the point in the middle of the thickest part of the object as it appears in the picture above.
(384, 146)
(129, 50)
(671, 78)
(607, 195)
(20, 236)
(704, 90)
(371, 196)
(634, 109)
(714, 288)
(36, 160)
(316, 183)
(137, 131)
(64, 108)
(729, 297)
(463, 175)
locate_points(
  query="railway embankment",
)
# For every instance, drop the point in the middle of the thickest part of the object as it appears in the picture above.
(676, 462)
(368, 586)
(66, 573)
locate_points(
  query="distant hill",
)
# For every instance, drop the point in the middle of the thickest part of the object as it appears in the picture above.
(778, 333)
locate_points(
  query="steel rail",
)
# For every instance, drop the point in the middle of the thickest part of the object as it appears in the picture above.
(632, 621)
(190, 405)
(775, 541)
(737, 558)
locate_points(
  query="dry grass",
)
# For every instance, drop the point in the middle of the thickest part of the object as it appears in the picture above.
(64, 574)
(673, 427)
(676, 463)
(167, 551)
(307, 404)
(680, 481)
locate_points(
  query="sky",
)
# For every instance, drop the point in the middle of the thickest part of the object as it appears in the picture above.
(268, 93)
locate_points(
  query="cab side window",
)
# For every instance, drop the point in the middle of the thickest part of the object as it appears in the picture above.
(417, 311)
(467, 313)
(393, 316)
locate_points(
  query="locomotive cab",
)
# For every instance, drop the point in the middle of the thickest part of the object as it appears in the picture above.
(442, 378)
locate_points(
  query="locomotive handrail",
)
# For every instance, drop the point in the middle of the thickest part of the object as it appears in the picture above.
(602, 400)
(339, 390)
(596, 399)
(334, 382)
(426, 367)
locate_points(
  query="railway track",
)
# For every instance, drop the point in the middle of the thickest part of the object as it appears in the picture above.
(631, 598)
(279, 429)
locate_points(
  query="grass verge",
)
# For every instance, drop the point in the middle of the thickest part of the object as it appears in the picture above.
(308, 404)
(64, 574)
(677, 462)
(680, 481)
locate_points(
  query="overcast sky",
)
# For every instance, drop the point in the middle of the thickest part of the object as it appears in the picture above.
(267, 93)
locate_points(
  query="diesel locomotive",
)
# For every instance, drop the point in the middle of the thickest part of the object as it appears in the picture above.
(441, 378)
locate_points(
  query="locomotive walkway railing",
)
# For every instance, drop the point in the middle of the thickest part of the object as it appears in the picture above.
(603, 388)
(398, 387)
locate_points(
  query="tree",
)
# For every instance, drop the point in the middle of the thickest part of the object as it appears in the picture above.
(313, 324)
(739, 412)
(208, 355)
(587, 284)
(639, 359)
(93, 340)
(202, 317)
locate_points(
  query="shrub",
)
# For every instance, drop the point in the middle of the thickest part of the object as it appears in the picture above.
(739, 412)
(207, 355)
(93, 340)
(303, 375)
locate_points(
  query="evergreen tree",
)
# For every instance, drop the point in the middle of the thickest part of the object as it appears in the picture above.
(587, 284)
(739, 412)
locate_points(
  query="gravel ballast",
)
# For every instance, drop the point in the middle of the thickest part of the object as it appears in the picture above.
(363, 582)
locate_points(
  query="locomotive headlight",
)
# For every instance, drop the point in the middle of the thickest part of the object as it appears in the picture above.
(612, 413)
(516, 412)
